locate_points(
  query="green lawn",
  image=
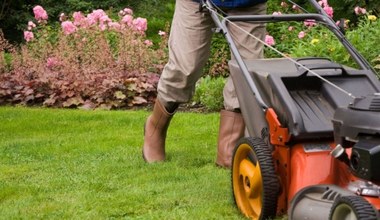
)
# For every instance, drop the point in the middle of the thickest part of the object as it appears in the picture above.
(77, 164)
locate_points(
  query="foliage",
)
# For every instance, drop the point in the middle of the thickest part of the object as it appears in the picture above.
(158, 11)
(217, 64)
(5, 59)
(366, 37)
(82, 64)
(209, 92)
(316, 40)
(377, 63)
(345, 8)
(88, 65)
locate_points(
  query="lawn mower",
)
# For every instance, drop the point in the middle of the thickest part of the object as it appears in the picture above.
(312, 143)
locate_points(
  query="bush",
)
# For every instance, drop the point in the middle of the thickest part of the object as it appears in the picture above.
(307, 39)
(92, 62)
(217, 64)
(209, 92)
(159, 12)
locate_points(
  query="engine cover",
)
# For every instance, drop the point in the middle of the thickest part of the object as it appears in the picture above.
(365, 159)
(361, 118)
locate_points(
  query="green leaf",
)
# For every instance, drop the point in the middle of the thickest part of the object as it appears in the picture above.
(120, 95)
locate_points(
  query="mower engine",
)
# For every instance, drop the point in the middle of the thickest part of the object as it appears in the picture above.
(358, 127)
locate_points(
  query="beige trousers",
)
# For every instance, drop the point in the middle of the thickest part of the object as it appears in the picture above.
(189, 50)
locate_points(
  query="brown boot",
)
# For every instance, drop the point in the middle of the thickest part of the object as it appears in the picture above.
(231, 129)
(155, 130)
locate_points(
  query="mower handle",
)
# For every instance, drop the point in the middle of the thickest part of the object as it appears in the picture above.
(302, 71)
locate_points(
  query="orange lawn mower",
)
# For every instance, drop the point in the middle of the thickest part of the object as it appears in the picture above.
(312, 146)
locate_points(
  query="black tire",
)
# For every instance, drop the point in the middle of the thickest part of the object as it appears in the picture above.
(351, 207)
(255, 184)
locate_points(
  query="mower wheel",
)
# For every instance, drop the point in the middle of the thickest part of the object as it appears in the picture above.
(352, 208)
(255, 184)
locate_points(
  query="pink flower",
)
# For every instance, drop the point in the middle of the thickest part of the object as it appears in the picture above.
(114, 25)
(104, 19)
(360, 11)
(128, 11)
(127, 19)
(269, 40)
(28, 36)
(140, 24)
(277, 13)
(148, 43)
(102, 26)
(290, 28)
(78, 18)
(90, 20)
(329, 11)
(284, 5)
(161, 33)
(301, 35)
(323, 3)
(97, 14)
(31, 25)
(125, 11)
(51, 62)
(309, 23)
(68, 27)
(40, 13)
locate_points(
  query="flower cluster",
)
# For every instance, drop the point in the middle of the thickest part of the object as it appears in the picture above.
(41, 16)
(96, 19)
(269, 40)
(95, 22)
(99, 19)
(312, 23)
(326, 7)
(91, 59)
(28, 36)
(360, 11)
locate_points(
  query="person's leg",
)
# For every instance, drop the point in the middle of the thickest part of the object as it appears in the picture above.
(232, 125)
(189, 48)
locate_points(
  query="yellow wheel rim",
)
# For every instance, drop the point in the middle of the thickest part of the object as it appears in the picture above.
(247, 182)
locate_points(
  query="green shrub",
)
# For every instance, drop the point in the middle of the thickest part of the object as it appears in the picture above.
(209, 92)
(319, 42)
(217, 64)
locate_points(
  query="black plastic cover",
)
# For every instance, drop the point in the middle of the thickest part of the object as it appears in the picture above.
(367, 103)
(365, 159)
(362, 118)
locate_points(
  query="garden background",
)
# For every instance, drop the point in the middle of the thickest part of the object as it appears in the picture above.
(102, 55)
(92, 54)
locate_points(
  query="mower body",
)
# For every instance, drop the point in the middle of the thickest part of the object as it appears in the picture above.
(307, 119)
(313, 130)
